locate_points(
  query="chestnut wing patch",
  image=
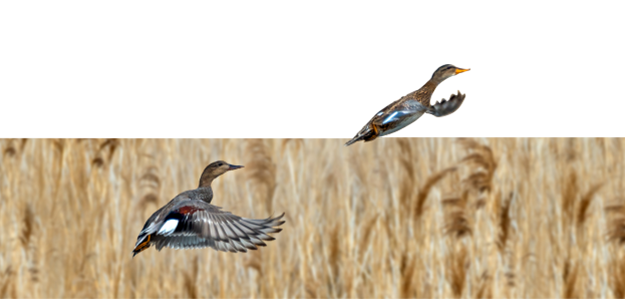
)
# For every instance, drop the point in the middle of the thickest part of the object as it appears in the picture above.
(188, 210)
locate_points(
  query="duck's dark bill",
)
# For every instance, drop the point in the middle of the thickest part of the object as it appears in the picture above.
(462, 75)
(233, 167)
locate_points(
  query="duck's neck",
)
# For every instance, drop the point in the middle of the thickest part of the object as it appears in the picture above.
(436, 79)
(206, 181)
(205, 193)
(425, 93)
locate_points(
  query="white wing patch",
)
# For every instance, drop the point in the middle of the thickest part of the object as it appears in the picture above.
(380, 113)
(168, 227)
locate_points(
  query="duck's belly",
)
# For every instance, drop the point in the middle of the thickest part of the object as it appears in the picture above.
(394, 127)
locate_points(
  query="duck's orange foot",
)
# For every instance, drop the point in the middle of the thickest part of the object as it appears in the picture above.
(374, 135)
(142, 246)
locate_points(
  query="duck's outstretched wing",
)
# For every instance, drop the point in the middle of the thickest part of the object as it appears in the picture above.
(195, 224)
(447, 107)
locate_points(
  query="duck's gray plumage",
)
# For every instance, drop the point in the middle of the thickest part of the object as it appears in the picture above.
(411, 107)
(200, 224)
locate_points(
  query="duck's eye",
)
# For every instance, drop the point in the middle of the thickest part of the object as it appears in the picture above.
(220, 164)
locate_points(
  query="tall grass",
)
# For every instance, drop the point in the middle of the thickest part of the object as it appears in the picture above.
(392, 218)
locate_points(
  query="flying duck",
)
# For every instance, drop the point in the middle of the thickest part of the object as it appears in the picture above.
(409, 108)
(190, 221)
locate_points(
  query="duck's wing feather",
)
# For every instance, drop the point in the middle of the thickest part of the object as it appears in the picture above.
(195, 223)
(447, 107)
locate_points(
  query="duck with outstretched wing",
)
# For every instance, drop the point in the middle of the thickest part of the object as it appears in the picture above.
(409, 108)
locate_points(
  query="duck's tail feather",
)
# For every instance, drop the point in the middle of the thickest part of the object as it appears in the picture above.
(354, 140)
(366, 134)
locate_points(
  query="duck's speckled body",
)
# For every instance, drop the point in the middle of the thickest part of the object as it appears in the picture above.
(409, 108)
(190, 221)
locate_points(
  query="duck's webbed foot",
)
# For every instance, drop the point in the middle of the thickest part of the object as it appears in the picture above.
(445, 107)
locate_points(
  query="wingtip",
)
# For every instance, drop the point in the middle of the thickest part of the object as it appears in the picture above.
(276, 218)
(350, 142)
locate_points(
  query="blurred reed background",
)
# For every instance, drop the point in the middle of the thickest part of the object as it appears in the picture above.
(392, 218)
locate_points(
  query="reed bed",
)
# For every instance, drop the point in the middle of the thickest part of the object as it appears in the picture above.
(403, 218)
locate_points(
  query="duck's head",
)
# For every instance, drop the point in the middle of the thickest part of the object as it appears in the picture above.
(214, 170)
(447, 71)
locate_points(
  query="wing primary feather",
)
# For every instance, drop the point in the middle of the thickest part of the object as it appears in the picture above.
(248, 244)
(220, 232)
(240, 234)
(257, 241)
(224, 225)
(213, 228)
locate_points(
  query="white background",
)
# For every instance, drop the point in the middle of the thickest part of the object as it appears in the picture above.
(265, 61)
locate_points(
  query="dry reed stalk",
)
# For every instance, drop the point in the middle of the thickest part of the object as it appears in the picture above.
(146, 200)
(262, 171)
(485, 289)
(9, 151)
(311, 289)
(151, 182)
(617, 230)
(150, 178)
(254, 261)
(190, 279)
(569, 276)
(28, 239)
(391, 233)
(112, 145)
(28, 230)
(616, 279)
(405, 154)
(616, 225)
(334, 257)
(584, 203)
(504, 223)
(456, 270)
(368, 229)
(481, 157)
(425, 190)
(7, 284)
(407, 270)
(407, 180)
(457, 221)
(570, 191)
